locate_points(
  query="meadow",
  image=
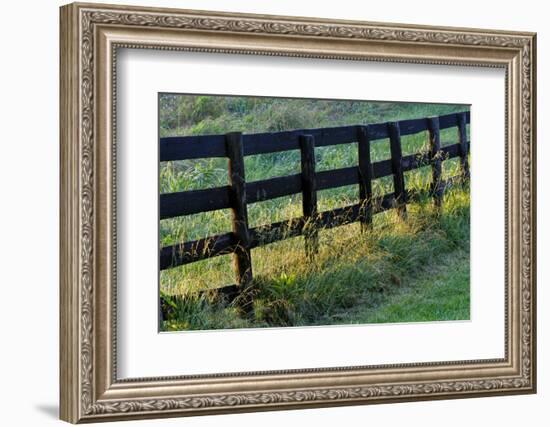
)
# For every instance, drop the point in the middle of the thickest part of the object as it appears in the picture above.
(399, 271)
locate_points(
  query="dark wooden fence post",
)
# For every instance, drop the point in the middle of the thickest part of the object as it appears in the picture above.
(237, 182)
(309, 194)
(365, 177)
(464, 149)
(397, 169)
(435, 155)
(240, 242)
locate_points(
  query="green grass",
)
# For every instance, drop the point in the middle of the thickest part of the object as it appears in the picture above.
(440, 292)
(341, 285)
(290, 290)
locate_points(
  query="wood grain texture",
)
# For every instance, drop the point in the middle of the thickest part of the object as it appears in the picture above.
(237, 183)
(397, 169)
(365, 177)
(309, 194)
(464, 146)
(436, 155)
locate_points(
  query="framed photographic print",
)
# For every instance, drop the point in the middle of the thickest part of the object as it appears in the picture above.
(266, 212)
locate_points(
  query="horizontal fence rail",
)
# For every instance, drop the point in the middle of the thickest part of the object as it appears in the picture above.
(196, 201)
(239, 193)
(197, 147)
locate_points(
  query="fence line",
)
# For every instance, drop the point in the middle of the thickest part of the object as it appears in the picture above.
(239, 193)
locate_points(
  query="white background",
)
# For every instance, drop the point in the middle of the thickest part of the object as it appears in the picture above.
(29, 171)
(297, 348)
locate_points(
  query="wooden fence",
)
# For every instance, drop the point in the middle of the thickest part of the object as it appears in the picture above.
(239, 193)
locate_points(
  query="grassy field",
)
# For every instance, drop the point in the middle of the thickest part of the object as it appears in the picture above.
(439, 292)
(388, 275)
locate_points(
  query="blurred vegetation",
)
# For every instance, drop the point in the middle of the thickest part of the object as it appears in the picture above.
(206, 115)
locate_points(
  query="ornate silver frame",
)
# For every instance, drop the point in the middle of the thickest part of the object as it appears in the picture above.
(90, 35)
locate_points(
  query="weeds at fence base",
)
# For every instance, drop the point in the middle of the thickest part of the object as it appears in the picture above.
(291, 290)
(199, 308)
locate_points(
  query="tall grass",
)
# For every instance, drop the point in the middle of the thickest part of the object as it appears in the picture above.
(352, 268)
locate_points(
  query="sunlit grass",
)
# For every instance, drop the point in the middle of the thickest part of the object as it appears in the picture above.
(443, 295)
(354, 272)
(352, 268)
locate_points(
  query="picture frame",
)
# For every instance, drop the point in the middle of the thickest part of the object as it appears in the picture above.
(91, 35)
